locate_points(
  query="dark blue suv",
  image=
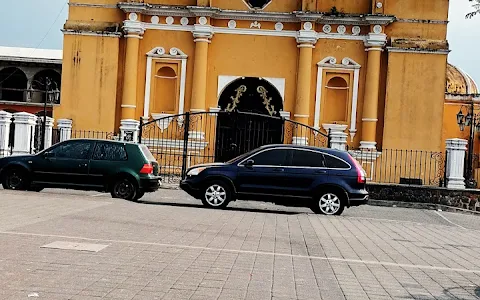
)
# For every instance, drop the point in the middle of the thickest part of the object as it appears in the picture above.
(324, 180)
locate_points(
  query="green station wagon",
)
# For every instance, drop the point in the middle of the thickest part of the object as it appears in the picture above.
(126, 170)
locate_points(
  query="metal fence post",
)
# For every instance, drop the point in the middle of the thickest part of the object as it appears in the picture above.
(140, 131)
(185, 144)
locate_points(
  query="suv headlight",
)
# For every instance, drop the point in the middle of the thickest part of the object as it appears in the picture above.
(196, 171)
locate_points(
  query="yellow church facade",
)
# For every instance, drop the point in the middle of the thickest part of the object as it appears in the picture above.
(377, 69)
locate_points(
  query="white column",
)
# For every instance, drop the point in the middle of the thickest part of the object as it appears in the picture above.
(5, 121)
(456, 149)
(49, 122)
(129, 130)
(24, 132)
(65, 127)
(338, 140)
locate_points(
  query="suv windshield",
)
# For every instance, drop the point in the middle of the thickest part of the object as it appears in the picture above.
(147, 153)
(240, 157)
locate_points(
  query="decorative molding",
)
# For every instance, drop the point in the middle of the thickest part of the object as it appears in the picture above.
(232, 24)
(173, 54)
(256, 24)
(278, 26)
(285, 114)
(376, 40)
(169, 20)
(327, 28)
(249, 31)
(155, 20)
(418, 51)
(162, 120)
(202, 33)
(341, 29)
(128, 106)
(92, 5)
(422, 21)
(330, 63)
(133, 29)
(253, 15)
(184, 21)
(92, 33)
(308, 37)
(225, 80)
(356, 30)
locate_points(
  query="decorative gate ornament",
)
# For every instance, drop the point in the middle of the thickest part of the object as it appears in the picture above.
(266, 100)
(240, 90)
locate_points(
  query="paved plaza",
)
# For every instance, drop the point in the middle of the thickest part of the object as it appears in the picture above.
(77, 245)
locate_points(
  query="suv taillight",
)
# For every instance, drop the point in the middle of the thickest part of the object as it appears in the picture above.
(147, 169)
(361, 178)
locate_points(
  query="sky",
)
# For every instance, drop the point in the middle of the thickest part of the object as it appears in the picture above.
(48, 17)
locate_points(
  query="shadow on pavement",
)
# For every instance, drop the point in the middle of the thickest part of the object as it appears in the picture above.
(200, 206)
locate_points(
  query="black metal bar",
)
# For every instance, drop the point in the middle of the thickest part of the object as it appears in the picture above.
(140, 131)
(185, 144)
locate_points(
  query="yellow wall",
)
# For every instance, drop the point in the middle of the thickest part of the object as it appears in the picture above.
(341, 49)
(414, 103)
(89, 82)
(345, 6)
(417, 9)
(228, 56)
(167, 40)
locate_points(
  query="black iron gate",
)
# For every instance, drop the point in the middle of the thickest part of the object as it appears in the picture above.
(181, 141)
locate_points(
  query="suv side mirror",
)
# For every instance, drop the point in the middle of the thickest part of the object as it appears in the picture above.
(48, 154)
(249, 163)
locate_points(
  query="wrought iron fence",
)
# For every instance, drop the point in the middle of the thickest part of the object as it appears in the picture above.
(89, 134)
(411, 167)
(181, 141)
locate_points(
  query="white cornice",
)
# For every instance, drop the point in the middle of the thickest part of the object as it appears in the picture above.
(92, 5)
(91, 33)
(253, 15)
(250, 31)
(422, 21)
(418, 51)
(31, 60)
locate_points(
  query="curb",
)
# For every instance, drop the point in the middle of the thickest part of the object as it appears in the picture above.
(418, 205)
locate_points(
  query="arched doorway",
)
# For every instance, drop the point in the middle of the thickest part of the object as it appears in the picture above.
(250, 117)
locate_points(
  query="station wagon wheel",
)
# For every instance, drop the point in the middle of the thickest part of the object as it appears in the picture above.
(329, 204)
(217, 194)
(124, 189)
(15, 179)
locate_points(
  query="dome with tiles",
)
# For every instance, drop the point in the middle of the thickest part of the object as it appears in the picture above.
(459, 82)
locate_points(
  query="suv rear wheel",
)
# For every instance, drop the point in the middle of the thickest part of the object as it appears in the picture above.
(329, 203)
(217, 194)
(124, 188)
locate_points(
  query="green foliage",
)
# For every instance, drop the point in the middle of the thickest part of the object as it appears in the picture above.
(476, 7)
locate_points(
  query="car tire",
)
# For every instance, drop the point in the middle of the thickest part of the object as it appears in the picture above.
(139, 196)
(329, 203)
(124, 188)
(15, 179)
(216, 194)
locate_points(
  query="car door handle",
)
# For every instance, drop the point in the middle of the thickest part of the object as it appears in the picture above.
(278, 169)
(83, 165)
(321, 172)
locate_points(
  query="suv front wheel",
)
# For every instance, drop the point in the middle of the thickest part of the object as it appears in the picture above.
(216, 194)
(329, 203)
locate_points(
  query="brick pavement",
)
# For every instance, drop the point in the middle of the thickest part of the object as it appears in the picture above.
(176, 250)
